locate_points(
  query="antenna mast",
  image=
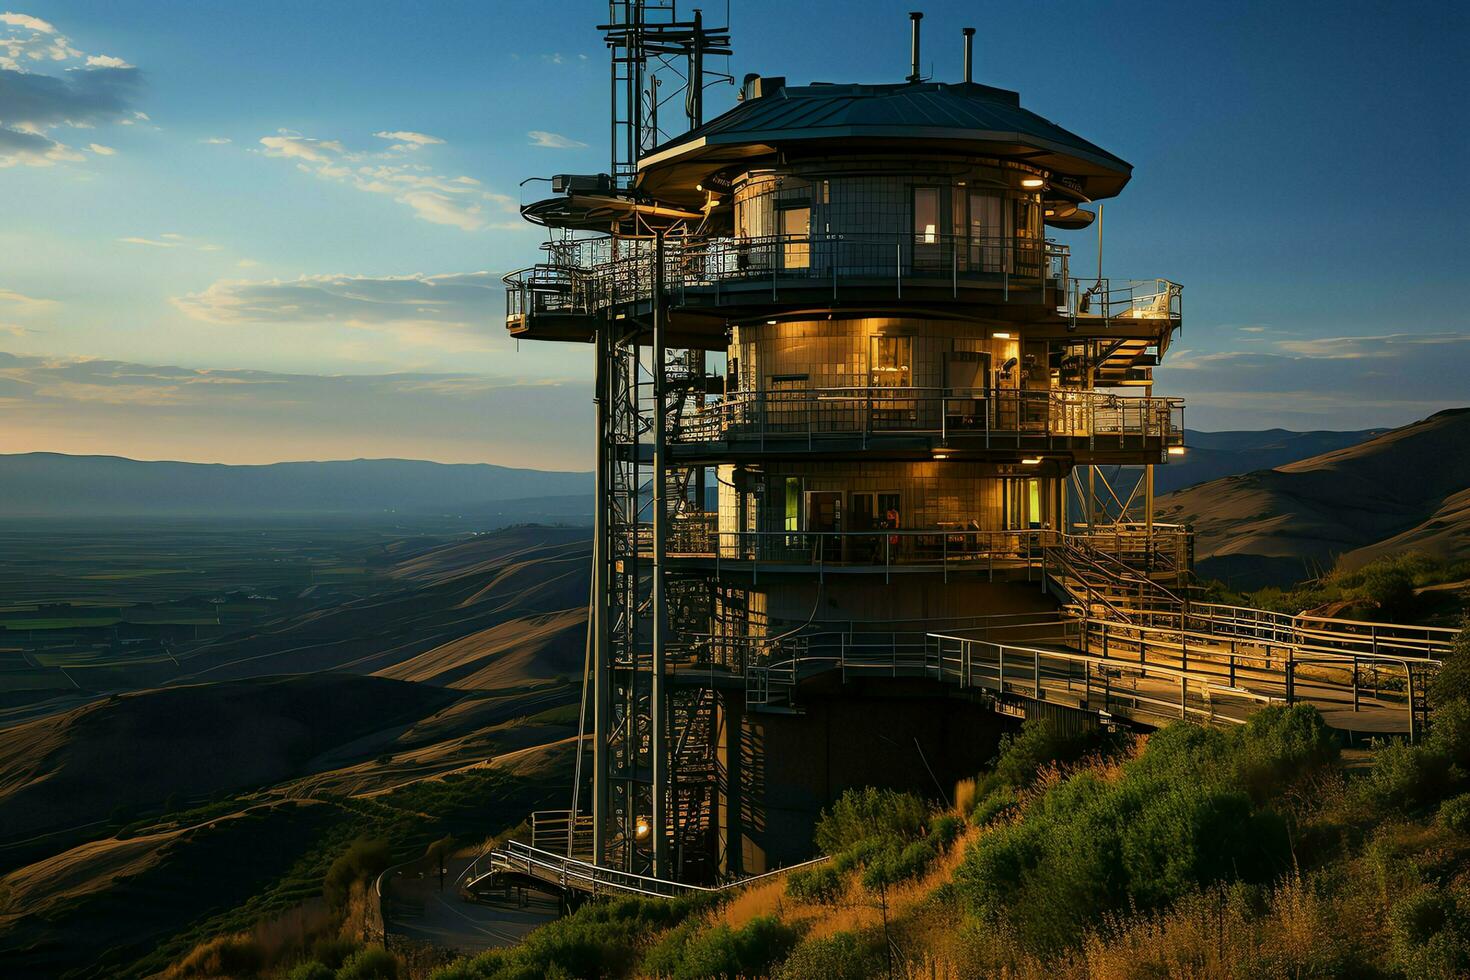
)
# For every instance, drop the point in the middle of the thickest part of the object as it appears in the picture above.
(646, 39)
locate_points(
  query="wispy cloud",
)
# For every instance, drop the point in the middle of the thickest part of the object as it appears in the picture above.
(217, 140)
(19, 302)
(100, 150)
(171, 239)
(99, 90)
(458, 201)
(1323, 382)
(553, 141)
(457, 311)
(405, 141)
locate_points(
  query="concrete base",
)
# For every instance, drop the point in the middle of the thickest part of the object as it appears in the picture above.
(900, 734)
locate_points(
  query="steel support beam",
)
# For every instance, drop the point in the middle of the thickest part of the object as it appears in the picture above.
(662, 788)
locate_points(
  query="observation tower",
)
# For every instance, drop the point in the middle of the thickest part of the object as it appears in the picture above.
(852, 402)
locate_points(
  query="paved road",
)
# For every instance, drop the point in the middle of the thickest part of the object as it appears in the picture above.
(416, 909)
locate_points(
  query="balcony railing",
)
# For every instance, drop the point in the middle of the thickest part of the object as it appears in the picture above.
(594, 274)
(995, 417)
(945, 546)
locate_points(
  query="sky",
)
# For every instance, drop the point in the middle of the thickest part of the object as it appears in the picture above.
(250, 232)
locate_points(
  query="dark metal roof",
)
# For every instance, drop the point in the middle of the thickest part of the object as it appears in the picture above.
(959, 118)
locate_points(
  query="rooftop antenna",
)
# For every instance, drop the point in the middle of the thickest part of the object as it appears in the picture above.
(915, 16)
(969, 33)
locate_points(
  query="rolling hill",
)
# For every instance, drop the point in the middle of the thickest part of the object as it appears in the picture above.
(219, 787)
(55, 485)
(1405, 490)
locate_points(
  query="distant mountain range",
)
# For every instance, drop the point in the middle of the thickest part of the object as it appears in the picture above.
(52, 485)
(1212, 455)
(1405, 490)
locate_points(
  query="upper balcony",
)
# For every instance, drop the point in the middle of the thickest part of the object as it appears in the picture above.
(711, 280)
(931, 422)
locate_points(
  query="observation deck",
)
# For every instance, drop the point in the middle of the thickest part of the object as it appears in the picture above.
(1012, 424)
(710, 282)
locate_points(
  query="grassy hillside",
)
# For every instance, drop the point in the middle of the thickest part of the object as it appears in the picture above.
(1262, 851)
(142, 828)
(1408, 489)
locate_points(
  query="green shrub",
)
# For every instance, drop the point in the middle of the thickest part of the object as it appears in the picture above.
(311, 970)
(363, 861)
(998, 804)
(1452, 682)
(600, 939)
(1429, 935)
(1409, 777)
(369, 963)
(1038, 744)
(860, 814)
(1278, 745)
(1186, 813)
(1454, 814)
(896, 864)
(841, 956)
(859, 855)
(944, 830)
(332, 951)
(822, 884)
(720, 951)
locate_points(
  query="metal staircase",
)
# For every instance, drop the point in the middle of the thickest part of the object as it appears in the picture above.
(696, 773)
(1100, 584)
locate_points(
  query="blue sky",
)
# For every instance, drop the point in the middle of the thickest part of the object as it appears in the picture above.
(259, 231)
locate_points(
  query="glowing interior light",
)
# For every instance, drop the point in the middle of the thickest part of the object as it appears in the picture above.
(1031, 461)
(1001, 335)
(931, 234)
(1033, 182)
(1176, 450)
(642, 828)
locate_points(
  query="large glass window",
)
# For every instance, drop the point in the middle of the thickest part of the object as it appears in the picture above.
(796, 226)
(987, 233)
(926, 227)
(926, 215)
(890, 360)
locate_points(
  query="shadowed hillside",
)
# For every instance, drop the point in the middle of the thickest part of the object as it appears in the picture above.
(134, 825)
(1408, 489)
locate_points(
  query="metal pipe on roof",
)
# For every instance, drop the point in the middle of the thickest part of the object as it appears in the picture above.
(915, 16)
(969, 33)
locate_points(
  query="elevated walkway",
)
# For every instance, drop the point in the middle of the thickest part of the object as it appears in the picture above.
(519, 864)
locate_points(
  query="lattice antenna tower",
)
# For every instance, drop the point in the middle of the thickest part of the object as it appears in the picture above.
(657, 57)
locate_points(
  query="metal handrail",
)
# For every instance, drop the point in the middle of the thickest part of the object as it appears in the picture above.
(565, 872)
(1002, 417)
(605, 271)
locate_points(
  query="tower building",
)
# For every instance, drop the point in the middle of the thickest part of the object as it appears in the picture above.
(850, 394)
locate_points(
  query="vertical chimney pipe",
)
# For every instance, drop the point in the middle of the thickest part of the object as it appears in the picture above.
(969, 33)
(915, 16)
